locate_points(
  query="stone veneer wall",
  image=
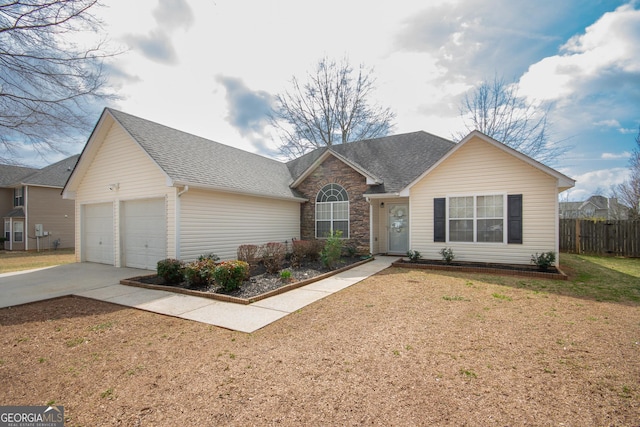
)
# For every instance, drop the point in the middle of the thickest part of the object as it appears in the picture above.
(334, 171)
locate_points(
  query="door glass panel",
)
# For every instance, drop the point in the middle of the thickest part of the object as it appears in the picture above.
(398, 228)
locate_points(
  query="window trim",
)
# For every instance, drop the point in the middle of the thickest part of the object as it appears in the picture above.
(332, 203)
(475, 217)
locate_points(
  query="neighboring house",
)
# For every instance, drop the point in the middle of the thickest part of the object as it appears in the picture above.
(35, 214)
(144, 192)
(595, 207)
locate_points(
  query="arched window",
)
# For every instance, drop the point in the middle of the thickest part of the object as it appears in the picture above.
(332, 211)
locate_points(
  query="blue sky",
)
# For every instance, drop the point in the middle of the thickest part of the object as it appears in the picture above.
(212, 68)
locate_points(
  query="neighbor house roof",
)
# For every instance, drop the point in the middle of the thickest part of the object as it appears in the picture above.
(54, 175)
(10, 175)
(392, 161)
(191, 160)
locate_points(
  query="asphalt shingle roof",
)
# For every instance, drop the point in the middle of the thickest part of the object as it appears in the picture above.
(396, 159)
(54, 175)
(10, 174)
(191, 159)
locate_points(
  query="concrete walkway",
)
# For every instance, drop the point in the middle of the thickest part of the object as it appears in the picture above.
(101, 282)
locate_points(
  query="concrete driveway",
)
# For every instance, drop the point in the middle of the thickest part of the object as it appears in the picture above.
(37, 285)
(102, 282)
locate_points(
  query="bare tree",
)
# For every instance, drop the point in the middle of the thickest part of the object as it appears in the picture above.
(628, 193)
(332, 107)
(48, 76)
(495, 109)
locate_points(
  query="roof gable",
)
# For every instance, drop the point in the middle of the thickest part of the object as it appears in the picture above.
(563, 181)
(390, 163)
(187, 159)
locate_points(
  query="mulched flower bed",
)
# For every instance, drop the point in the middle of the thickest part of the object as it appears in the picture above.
(480, 267)
(260, 284)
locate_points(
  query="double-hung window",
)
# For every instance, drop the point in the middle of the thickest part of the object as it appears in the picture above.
(332, 211)
(18, 231)
(18, 196)
(477, 218)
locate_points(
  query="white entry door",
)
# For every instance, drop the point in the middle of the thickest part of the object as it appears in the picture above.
(97, 233)
(398, 228)
(144, 233)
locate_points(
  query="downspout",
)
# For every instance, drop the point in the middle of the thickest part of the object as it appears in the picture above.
(370, 225)
(178, 210)
(25, 232)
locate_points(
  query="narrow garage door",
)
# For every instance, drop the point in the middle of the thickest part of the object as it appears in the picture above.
(97, 233)
(144, 233)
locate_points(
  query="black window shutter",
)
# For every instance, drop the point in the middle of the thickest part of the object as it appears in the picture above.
(514, 218)
(439, 219)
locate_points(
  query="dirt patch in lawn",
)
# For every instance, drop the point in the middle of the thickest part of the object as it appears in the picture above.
(404, 347)
(260, 284)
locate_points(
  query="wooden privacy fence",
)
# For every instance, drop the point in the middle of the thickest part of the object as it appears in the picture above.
(585, 236)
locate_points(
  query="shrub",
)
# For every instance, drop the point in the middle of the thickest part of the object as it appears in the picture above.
(210, 256)
(285, 275)
(248, 253)
(199, 273)
(171, 270)
(544, 260)
(273, 256)
(314, 249)
(332, 250)
(230, 274)
(298, 252)
(447, 255)
(413, 256)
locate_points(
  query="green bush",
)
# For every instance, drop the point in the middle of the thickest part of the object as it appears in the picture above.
(171, 270)
(413, 256)
(210, 256)
(285, 275)
(447, 255)
(273, 254)
(199, 273)
(332, 250)
(230, 274)
(544, 260)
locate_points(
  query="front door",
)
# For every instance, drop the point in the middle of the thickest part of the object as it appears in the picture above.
(398, 228)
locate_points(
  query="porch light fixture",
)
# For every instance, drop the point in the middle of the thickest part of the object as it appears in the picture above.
(113, 187)
(381, 205)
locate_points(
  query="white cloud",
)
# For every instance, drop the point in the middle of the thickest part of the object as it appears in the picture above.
(608, 48)
(611, 156)
(587, 184)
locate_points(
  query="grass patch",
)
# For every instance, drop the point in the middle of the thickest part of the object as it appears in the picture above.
(501, 296)
(20, 260)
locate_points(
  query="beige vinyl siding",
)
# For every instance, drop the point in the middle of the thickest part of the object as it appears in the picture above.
(57, 216)
(479, 168)
(220, 222)
(120, 160)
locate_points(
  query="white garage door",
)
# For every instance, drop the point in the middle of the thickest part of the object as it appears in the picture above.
(144, 233)
(98, 233)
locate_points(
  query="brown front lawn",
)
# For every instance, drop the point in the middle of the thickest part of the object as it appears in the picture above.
(21, 260)
(404, 347)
